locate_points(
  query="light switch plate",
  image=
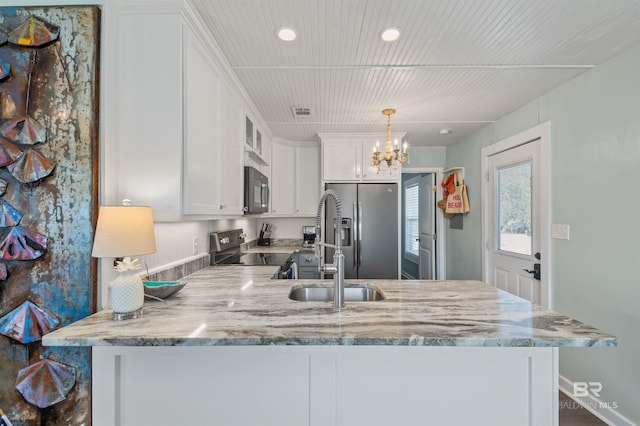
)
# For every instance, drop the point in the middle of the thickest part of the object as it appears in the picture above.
(560, 231)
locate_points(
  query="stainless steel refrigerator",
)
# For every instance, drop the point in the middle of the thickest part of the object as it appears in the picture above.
(370, 235)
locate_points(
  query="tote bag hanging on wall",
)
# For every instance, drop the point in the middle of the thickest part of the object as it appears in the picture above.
(458, 202)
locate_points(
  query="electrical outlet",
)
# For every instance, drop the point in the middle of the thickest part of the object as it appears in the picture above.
(560, 231)
(194, 246)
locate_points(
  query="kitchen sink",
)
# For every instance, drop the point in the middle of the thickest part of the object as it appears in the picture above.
(324, 293)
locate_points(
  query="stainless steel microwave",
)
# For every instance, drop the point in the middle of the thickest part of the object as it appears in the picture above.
(256, 191)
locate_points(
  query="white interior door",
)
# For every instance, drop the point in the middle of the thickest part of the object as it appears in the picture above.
(427, 268)
(514, 204)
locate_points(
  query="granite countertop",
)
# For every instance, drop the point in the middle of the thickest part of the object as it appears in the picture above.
(240, 305)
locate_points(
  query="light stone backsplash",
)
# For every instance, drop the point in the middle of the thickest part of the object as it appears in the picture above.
(177, 272)
(285, 231)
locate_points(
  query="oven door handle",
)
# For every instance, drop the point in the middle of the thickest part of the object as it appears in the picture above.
(294, 271)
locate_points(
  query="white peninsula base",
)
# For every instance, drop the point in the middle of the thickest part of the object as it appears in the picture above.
(325, 385)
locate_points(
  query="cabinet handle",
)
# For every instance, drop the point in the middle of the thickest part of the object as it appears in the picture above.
(223, 206)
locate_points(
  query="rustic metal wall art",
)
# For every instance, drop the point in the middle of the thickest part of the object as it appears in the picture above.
(46, 382)
(48, 208)
(27, 323)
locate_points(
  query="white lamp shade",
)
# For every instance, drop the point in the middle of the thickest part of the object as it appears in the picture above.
(124, 231)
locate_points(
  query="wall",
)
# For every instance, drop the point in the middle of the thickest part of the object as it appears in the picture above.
(464, 245)
(426, 157)
(595, 145)
(286, 227)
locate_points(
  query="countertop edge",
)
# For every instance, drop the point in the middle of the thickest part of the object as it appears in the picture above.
(342, 341)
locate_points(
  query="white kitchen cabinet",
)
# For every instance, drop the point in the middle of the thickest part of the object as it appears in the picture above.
(295, 179)
(255, 144)
(202, 190)
(324, 385)
(341, 160)
(347, 157)
(283, 175)
(145, 112)
(230, 388)
(213, 168)
(307, 179)
(179, 147)
(231, 177)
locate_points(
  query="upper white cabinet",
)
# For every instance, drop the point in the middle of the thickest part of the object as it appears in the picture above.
(231, 178)
(283, 177)
(255, 145)
(347, 157)
(144, 113)
(341, 160)
(202, 142)
(307, 179)
(295, 178)
(176, 124)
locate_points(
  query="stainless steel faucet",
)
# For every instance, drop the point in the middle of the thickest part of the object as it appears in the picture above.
(337, 267)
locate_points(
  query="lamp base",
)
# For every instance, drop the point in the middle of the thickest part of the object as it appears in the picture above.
(119, 316)
(126, 295)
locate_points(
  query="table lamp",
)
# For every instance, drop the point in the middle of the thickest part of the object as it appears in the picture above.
(122, 232)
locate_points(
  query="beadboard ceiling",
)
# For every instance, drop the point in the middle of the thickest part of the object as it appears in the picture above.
(458, 65)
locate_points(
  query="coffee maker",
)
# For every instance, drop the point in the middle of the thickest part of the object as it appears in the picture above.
(308, 236)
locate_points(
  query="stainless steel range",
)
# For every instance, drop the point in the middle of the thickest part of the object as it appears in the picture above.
(225, 249)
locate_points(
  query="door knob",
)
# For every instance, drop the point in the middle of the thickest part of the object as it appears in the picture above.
(535, 271)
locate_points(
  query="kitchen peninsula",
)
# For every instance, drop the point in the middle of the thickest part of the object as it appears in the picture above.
(232, 349)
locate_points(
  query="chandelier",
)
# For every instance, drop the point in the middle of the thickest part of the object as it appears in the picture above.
(392, 156)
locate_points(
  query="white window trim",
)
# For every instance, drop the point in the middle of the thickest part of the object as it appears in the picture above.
(415, 181)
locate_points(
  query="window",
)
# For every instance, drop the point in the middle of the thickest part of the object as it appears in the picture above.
(514, 208)
(412, 226)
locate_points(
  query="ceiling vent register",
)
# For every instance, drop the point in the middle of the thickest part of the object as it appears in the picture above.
(300, 112)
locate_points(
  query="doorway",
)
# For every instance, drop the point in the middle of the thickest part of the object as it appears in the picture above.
(516, 215)
(421, 245)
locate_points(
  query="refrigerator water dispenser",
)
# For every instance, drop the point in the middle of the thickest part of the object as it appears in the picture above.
(346, 230)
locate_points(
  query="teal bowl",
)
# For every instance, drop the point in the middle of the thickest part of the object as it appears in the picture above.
(162, 289)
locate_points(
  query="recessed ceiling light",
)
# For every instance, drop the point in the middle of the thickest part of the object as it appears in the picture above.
(287, 34)
(390, 34)
(446, 131)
